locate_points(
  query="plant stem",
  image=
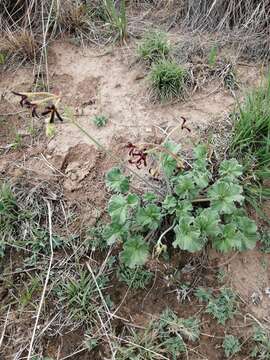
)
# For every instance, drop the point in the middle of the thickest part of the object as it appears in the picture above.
(200, 200)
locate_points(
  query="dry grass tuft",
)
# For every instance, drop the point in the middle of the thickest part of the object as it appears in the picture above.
(71, 16)
(20, 45)
(246, 22)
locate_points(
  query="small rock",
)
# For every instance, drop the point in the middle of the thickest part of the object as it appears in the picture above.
(73, 176)
(139, 76)
(256, 297)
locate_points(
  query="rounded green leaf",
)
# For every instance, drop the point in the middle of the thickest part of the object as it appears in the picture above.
(118, 208)
(185, 187)
(208, 222)
(187, 236)
(200, 152)
(230, 169)
(169, 204)
(116, 181)
(135, 252)
(223, 196)
(228, 240)
(149, 217)
(114, 232)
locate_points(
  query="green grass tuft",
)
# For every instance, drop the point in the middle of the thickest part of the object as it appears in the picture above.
(153, 47)
(2, 58)
(80, 294)
(9, 215)
(117, 18)
(251, 143)
(212, 57)
(167, 80)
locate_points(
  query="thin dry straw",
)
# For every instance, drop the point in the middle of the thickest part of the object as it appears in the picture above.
(45, 284)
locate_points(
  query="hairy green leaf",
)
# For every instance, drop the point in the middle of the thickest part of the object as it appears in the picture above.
(208, 223)
(185, 187)
(174, 345)
(184, 207)
(168, 162)
(169, 204)
(204, 295)
(231, 345)
(228, 238)
(187, 328)
(247, 234)
(230, 169)
(187, 236)
(201, 178)
(200, 152)
(222, 308)
(116, 181)
(261, 350)
(114, 232)
(119, 206)
(132, 200)
(150, 197)
(135, 252)
(223, 196)
(149, 217)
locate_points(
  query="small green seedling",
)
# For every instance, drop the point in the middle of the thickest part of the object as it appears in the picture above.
(30, 289)
(212, 58)
(95, 240)
(2, 58)
(100, 120)
(221, 276)
(265, 242)
(222, 308)
(136, 279)
(90, 343)
(261, 350)
(18, 142)
(231, 345)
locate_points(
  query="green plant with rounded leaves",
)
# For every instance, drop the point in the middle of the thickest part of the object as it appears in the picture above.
(201, 207)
